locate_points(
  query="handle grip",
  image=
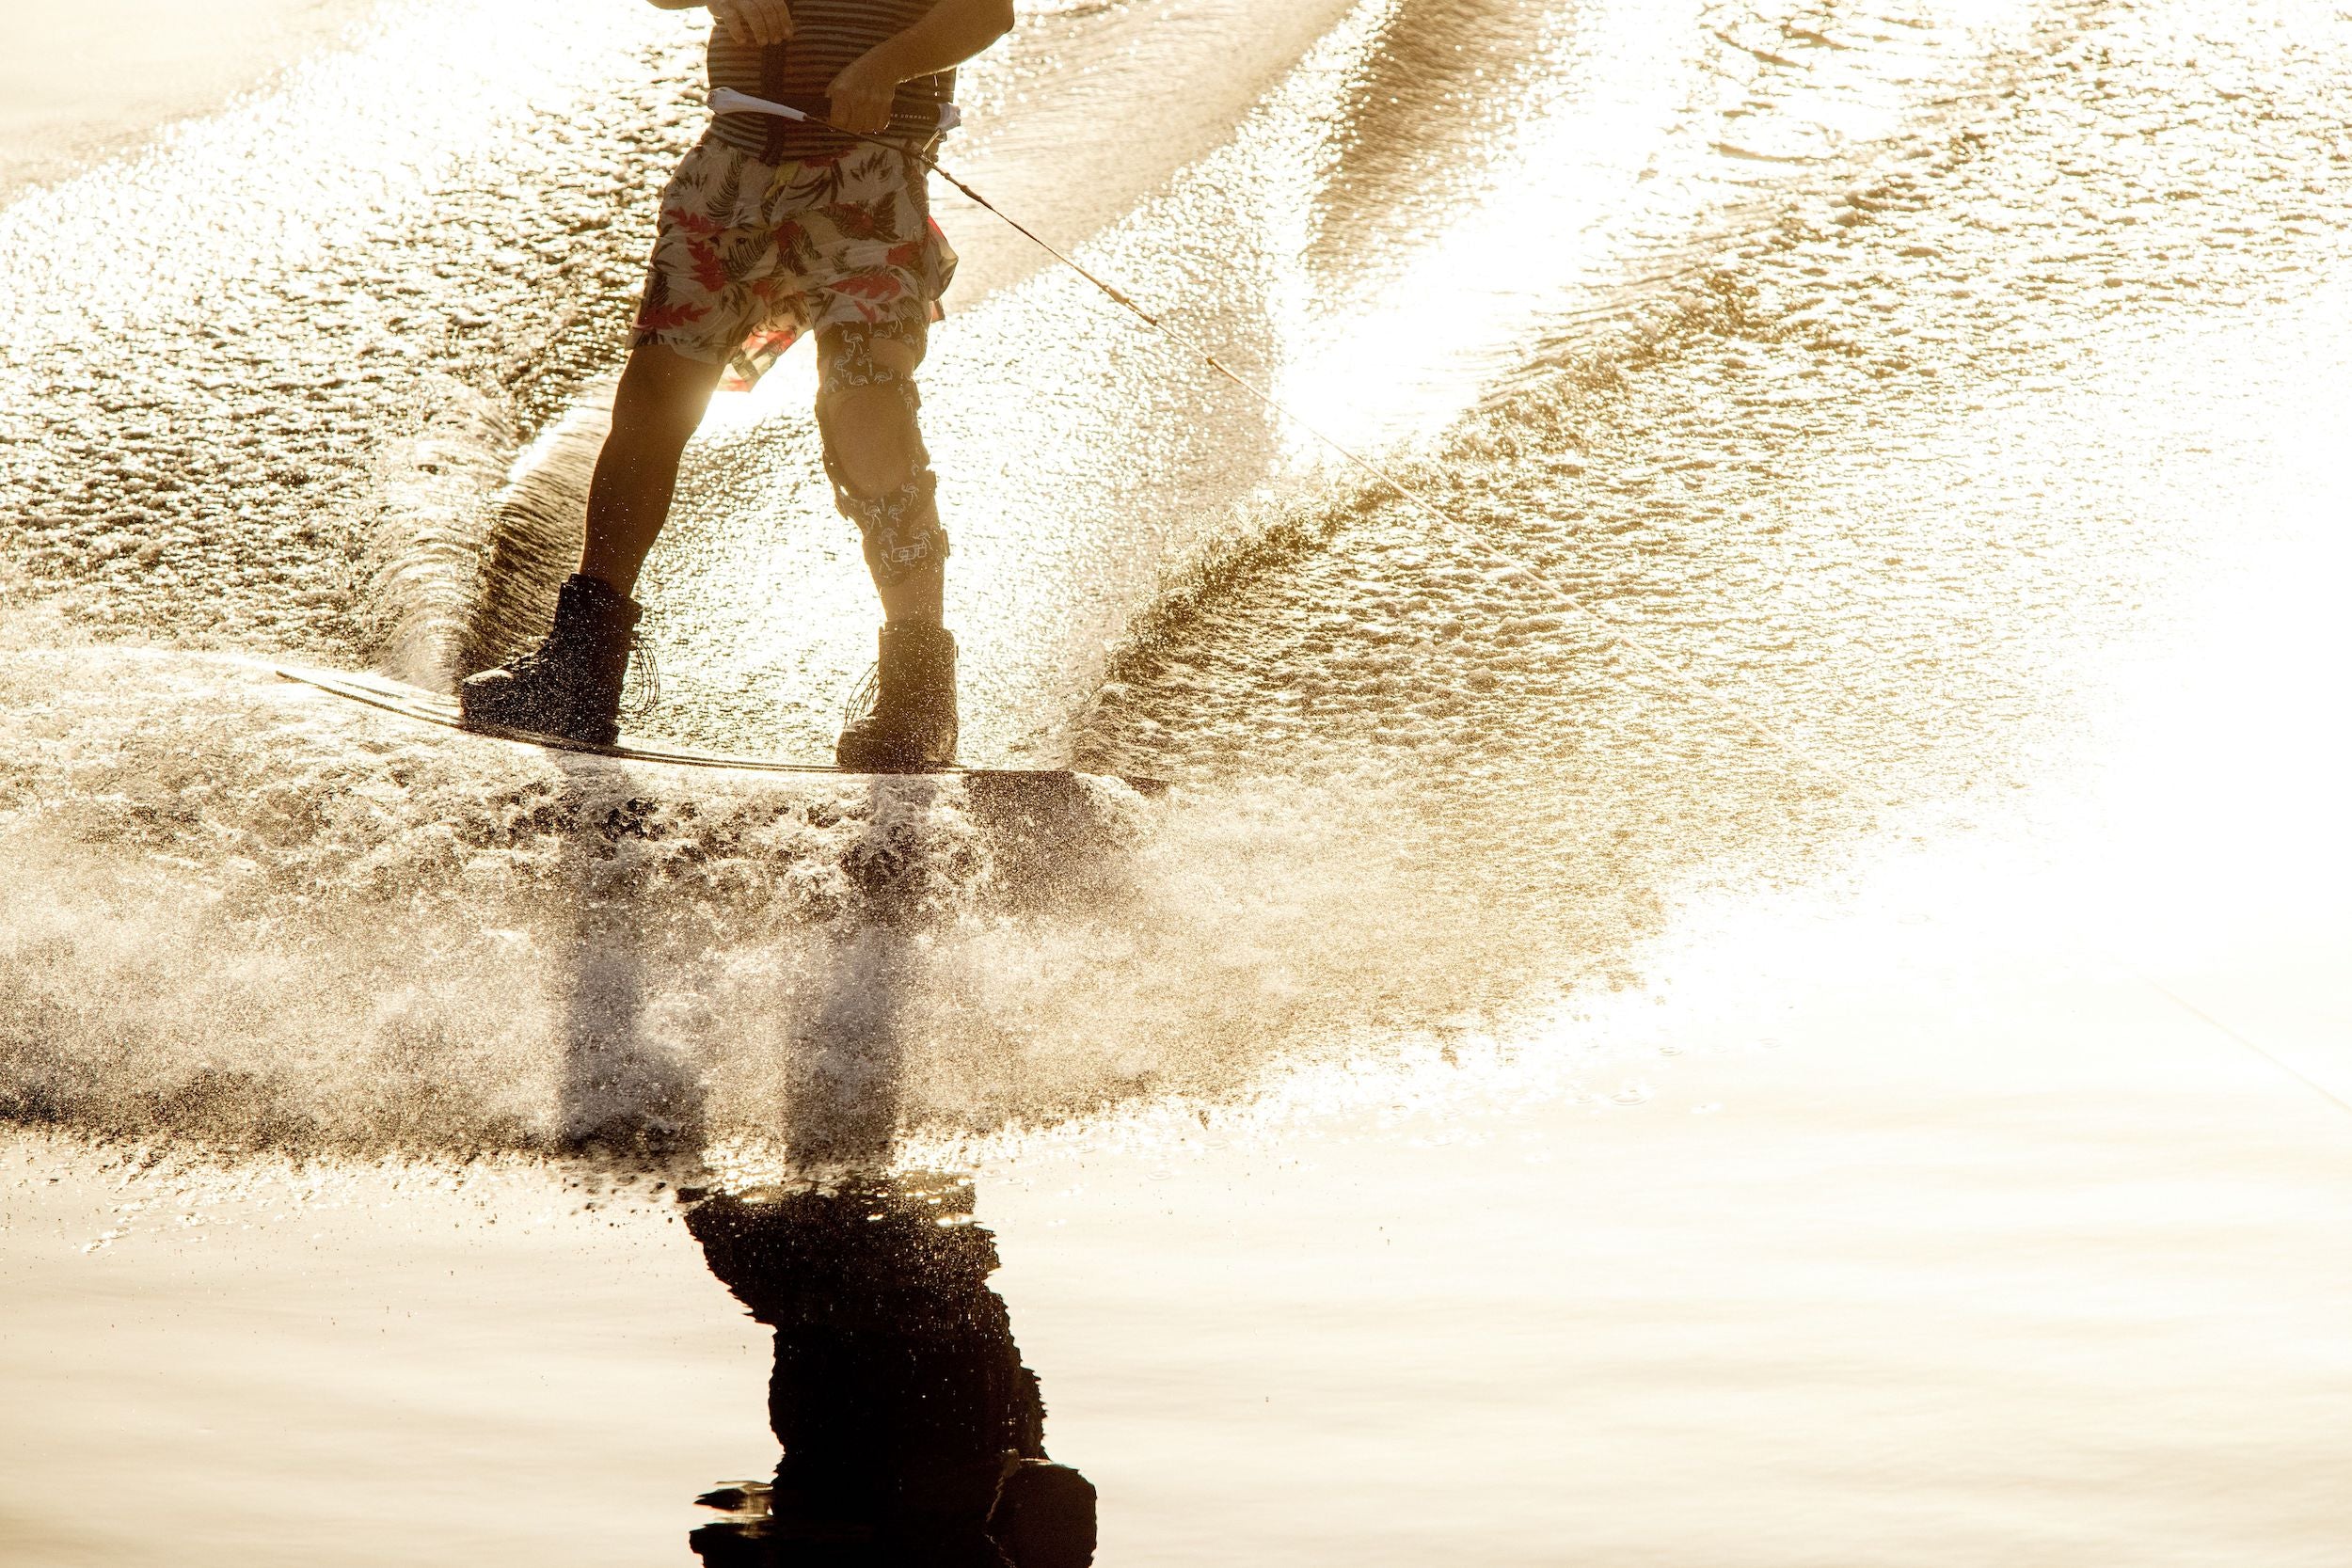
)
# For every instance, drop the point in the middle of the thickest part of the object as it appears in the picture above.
(727, 100)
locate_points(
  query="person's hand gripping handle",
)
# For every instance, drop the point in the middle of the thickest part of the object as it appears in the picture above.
(951, 32)
(861, 96)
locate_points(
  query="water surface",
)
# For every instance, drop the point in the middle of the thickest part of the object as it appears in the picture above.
(1763, 989)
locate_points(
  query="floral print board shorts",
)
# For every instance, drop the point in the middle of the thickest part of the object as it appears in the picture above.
(749, 255)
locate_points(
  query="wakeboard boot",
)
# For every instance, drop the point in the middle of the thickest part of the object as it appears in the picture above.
(911, 726)
(571, 685)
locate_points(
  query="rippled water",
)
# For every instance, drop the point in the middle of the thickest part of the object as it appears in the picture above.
(1834, 419)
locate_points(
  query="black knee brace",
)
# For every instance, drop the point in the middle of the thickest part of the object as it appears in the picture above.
(900, 528)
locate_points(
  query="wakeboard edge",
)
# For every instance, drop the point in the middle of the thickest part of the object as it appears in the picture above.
(391, 696)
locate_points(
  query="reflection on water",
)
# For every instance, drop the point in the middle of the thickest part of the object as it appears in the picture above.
(912, 1432)
(620, 1088)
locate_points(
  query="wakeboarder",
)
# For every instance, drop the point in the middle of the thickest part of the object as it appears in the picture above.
(773, 227)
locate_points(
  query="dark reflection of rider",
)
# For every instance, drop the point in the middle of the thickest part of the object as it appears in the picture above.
(913, 1435)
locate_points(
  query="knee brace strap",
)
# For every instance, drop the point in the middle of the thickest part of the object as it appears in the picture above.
(851, 362)
(898, 529)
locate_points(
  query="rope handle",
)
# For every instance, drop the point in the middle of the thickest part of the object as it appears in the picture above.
(729, 101)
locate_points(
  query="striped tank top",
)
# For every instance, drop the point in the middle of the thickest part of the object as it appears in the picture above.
(827, 35)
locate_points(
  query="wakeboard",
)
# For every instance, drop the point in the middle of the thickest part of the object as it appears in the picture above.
(380, 691)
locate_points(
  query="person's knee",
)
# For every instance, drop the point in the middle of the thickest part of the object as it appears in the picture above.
(871, 436)
(868, 408)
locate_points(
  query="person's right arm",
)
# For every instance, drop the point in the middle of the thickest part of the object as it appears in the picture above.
(745, 20)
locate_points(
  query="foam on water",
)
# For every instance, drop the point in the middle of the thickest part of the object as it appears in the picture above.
(243, 912)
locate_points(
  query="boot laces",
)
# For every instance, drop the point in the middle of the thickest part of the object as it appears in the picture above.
(641, 688)
(864, 697)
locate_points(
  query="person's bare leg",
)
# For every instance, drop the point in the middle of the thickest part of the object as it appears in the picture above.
(874, 440)
(662, 398)
(571, 685)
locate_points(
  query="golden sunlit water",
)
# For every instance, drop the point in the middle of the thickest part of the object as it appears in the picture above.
(1758, 983)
